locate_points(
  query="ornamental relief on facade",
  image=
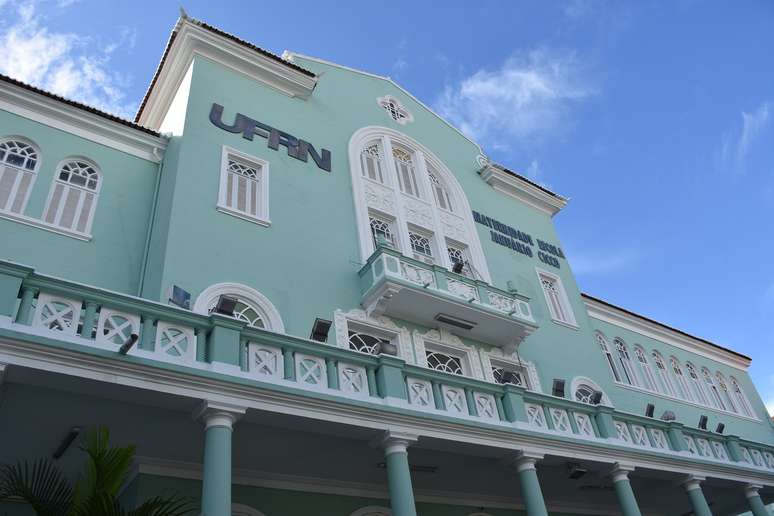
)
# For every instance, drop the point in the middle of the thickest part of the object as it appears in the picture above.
(454, 227)
(418, 212)
(341, 327)
(514, 359)
(379, 197)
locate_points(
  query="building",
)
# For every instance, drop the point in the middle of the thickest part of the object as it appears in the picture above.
(463, 372)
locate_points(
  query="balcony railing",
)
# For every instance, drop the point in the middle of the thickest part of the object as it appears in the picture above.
(38, 310)
(409, 289)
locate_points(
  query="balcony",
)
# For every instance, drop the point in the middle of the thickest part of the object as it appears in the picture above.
(408, 289)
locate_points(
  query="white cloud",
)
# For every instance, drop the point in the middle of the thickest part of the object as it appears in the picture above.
(736, 144)
(68, 64)
(588, 264)
(527, 99)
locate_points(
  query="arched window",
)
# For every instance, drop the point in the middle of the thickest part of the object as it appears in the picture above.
(715, 397)
(626, 362)
(602, 341)
(730, 403)
(741, 398)
(681, 384)
(73, 196)
(585, 394)
(648, 378)
(252, 307)
(698, 386)
(19, 162)
(406, 197)
(663, 374)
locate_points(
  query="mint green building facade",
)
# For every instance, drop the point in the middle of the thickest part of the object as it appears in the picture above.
(463, 372)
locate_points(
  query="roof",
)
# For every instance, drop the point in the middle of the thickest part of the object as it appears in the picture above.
(219, 32)
(533, 183)
(666, 326)
(79, 105)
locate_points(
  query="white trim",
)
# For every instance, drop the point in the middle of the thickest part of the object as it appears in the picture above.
(192, 40)
(379, 324)
(191, 384)
(387, 99)
(446, 342)
(273, 318)
(514, 186)
(66, 188)
(262, 196)
(37, 223)
(616, 317)
(573, 322)
(20, 174)
(578, 380)
(60, 115)
(463, 212)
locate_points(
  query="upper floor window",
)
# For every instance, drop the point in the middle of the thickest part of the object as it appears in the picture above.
(18, 165)
(741, 398)
(663, 374)
(626, 362)
(398, 181)
(721, 381)
(444, 362)
(602, 341)
(681, 384)
(371, 162)
(509, 374)
(441, 194)
(717, 401)
(648, 378)
(252, 307)
(407, 177)
(556, 297)
(366, 343)
(382, 232)
(585, 394)
(73, 196)
(395, 109)
(244, 188)
(698, 386)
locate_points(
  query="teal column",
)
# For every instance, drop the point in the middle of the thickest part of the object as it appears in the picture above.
(289, 362)
(373, 390)
(438, 396)
(530, 485)
(605, 423)
(734, 448)
(471, 401)
(25, 307)
(389, 378)
(216, 474)
(89, 319)
(332, 368)
(623, 490)
(757, 507)
(676, 436)
(692, 486)
(513, 403)
(201, 344)
(148, 338)
(398, 473)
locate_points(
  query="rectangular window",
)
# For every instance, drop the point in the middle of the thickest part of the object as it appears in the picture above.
(382, 232)
(244, 188)
(509, 374)
(458, 258)
(556, 298)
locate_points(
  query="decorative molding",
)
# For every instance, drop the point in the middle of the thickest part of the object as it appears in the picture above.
(267, 308)
(627, 321)
(191, 40)
(379, 323)
(445, 339)
(405, 115)
(519, 188)
(17, 349)
(82, 123)
(513, 359)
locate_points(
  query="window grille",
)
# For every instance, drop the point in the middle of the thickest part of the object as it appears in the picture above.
(74, 196)
(366, 343)
(421, 245)
(18, 164)
(406, 172)
(666, 382)
(441, 194)
(585, 394)
(443, 362)
(608, 356)
(649, 378)
(698, 387)
(371, 158)
(556, 299)
(381, 231)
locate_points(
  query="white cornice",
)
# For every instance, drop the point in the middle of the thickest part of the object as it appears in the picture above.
(518, 188)
(193, 385)
(61, 115)
(621, 318)
(191, 40)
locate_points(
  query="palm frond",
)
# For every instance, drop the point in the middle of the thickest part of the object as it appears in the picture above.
(105, 471)
(41, 484)
(164, 506)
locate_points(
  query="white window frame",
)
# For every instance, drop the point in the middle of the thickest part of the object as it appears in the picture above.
(564, 300)
(262, 197)
(648, 376)
(741, 396)
(434, 256)
(56, 222)
(20, 174)
(701, 395)
(681, 382)
(265, 308)
(625, 361)
(663, 374)
(398, 107)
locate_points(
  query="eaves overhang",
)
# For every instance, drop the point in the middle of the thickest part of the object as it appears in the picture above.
(615, 315)
(191, 38)
(519, 187)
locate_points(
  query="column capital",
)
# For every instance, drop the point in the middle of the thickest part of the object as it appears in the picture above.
(620, 471)
(395, 441)
(691, 482)
(526, 459)
(751, 490)
(214, 413)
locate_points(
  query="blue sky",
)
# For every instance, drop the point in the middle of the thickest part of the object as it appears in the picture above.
(656, 118)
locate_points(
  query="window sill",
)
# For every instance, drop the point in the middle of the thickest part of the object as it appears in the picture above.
(572, 326)
(244, 216)
(681, 400)
(35, 223)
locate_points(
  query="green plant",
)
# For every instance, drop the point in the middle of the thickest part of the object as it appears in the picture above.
(45, 488)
